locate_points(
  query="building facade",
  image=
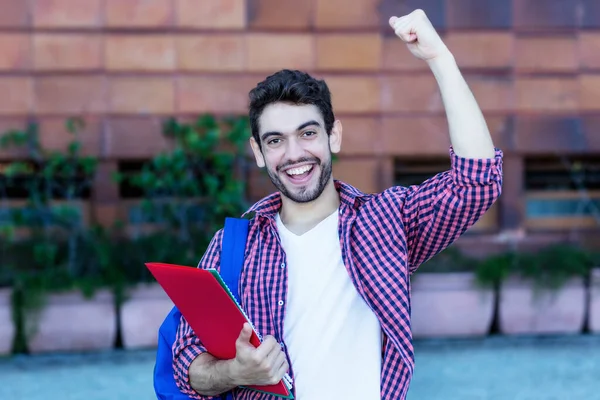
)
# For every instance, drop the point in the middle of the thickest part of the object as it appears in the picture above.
(123, 66)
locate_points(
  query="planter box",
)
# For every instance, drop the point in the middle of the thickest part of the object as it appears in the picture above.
(524, 310)
(7, 328)
(450, 305)
(594, 306)
(142, 314)
(68, 322)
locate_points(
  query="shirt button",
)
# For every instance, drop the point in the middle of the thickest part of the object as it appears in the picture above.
(280, 302)
(282, 265)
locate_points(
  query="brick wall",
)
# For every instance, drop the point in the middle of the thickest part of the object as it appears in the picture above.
(533, 65)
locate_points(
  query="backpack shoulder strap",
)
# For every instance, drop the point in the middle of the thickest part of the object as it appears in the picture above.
(233, 249)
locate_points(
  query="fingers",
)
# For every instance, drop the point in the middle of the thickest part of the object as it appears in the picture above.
(283, 365)
(245, 334)
(404, 26)
(268, 346)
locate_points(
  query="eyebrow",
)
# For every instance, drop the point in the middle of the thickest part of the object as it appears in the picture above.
(266, 135)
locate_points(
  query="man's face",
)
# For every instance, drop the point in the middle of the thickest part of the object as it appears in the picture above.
(296, 149)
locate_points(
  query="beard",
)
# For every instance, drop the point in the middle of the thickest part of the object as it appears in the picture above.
(305, 194)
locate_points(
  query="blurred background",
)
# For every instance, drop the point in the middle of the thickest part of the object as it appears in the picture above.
(123, 139)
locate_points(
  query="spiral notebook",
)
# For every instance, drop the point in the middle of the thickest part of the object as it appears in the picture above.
(212, 311)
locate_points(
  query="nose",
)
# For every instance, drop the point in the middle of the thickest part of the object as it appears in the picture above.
(294, 150)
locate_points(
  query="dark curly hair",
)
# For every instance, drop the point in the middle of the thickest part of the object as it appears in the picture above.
(290, 86)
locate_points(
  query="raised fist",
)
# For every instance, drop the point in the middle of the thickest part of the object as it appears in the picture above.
(418, 33)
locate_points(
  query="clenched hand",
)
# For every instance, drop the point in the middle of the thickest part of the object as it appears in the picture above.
(418, 33)
(262, 365)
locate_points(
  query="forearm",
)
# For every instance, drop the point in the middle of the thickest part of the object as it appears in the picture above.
(469, 134)
(210, 376)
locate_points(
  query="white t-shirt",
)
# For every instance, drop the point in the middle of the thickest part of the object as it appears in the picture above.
(333, 337)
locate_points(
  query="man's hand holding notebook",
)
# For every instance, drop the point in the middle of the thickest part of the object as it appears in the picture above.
(262, 365)
(215, 315)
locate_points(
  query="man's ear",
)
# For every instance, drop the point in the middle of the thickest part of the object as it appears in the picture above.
(335, 138)
(258, 155)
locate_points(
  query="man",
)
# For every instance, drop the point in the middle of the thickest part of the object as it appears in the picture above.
(326, 273)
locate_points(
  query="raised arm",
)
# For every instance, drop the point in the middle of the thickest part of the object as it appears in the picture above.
(469, 133)
(437, 212)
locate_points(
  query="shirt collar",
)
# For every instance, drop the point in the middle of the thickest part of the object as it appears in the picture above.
(268, 207)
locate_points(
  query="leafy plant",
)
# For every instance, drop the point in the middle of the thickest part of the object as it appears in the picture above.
(548, 268)
(187, 193)
(6, 268)
(496, 268)
(556, 264)
(55, 252)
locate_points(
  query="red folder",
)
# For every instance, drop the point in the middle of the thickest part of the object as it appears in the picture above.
(205, 301)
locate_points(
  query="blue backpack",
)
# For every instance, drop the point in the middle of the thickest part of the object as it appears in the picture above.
(232, 260)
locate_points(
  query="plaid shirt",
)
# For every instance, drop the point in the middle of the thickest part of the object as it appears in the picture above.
(384, 238)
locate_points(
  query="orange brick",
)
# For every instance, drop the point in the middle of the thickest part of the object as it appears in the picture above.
(220, 14)
(70, 94)
(349, 51)
(360, 136)
(491, 92)
(134, 137)
(590, 92)
(15, 50)
(354, 94)
(285, 14)
(555, 14)
(17, 95)
(54, 135)
(396, 56)
(551, 134)
(414, 93)
(148, 52)
(139, 13)
(415, 135)
(589, 49)
(15, 13)
(540, 54)
(67, 13)
(340, 14)
(67, 51)
(213, 94)
(360, 173)
(547, 94)
(211, 52)
(141, 95)
(271, 52)
(429, 135)
(482, 49)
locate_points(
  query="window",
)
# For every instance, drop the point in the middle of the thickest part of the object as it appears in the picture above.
(562, 192)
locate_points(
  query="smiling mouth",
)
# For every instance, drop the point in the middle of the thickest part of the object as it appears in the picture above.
(301, 174)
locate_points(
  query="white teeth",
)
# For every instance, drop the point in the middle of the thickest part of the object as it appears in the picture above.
(299, 170)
